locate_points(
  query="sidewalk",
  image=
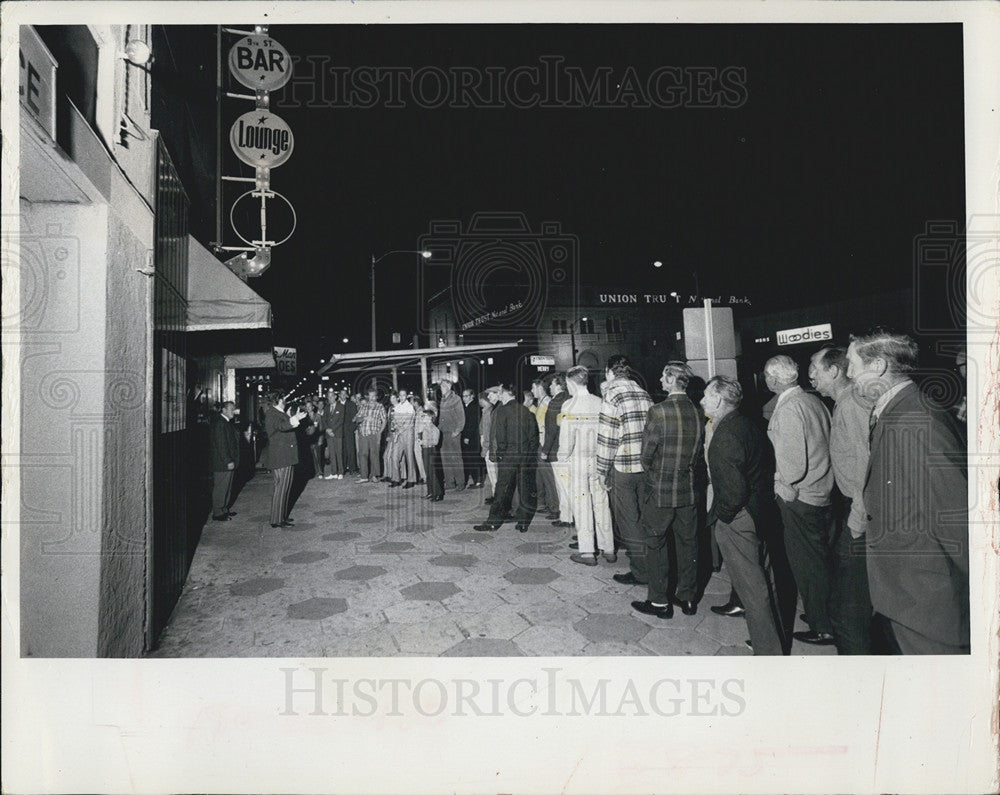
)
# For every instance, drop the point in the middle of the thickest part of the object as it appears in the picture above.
(370, 571)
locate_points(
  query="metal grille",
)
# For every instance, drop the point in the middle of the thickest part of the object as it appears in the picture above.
(169, 560)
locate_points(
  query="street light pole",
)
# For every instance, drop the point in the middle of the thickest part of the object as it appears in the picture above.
(572, 342)
(423, 253)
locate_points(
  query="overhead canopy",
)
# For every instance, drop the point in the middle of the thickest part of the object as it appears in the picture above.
(218, 298)
(389, 359)
(263, 360)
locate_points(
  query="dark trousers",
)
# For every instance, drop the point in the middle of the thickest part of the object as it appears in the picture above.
(222, 488)
(318, 455)
(745, 555)
(350, 451)
(850, 602)
(370, 460)
(545, 480)
(451, 459)
(658, 524)
(472, 462)
(279, 497)
(626, 499)
(519, 471)
(432, 468)
(807, 533)
(335, 444)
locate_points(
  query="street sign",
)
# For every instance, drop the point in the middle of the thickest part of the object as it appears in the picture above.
(261, 139)
(542, 368)
(38, 79)
(796, 336)
(697, 332)
(549, 360)
(286, 360)
(260, 63)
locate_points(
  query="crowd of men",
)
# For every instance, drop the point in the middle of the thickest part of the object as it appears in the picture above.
(860, 508)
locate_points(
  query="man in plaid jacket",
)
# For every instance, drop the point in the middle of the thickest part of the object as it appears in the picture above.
(619, 462)
(672, 446)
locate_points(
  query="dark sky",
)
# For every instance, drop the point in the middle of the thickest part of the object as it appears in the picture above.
(849, 140)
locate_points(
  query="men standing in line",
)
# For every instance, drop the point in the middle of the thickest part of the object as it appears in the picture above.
(799, 429)
(588, 496)
(850, 603)
(486, 401)
(548, 497)
(471, 462)
(550, 448)
(451, 420)
(371, 421)
(225, 449)
(515, 444)
(671, 449)
(281, 454)
(742, 475)
(916, 496)
(350, 436)
(619, 449)
(333, 428)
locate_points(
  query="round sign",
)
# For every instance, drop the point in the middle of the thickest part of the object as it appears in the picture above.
(259, 62)
(261, 139)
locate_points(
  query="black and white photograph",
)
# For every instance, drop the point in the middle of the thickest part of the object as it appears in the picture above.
(566, 397)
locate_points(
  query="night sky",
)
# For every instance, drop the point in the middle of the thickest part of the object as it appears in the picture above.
(849, 140)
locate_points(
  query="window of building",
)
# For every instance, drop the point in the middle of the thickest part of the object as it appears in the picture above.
(587, 326)
(559, 327)
(613, 325)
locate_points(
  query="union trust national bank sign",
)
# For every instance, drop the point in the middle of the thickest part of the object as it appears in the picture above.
(261, 139)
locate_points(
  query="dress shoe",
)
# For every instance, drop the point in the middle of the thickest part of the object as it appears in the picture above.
(289, 520)
(748, 643)
(649, 609)
(230, 513)
(611, 557)
(628, 578)
(223, 518)
(394, 483)
(521, 527)
(486, 527)
(283, 524)
(730, 609)
(409, 485)
(438, 498)
(488, 501)
(687, 608)
(552, 515)
(361, 480)
(586, 560)
(814, 638)
(510, 518)
(558, 523)
(575, 545)
(802, 617)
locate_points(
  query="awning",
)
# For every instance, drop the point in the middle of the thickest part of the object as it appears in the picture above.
(263, 360)
(218, 298)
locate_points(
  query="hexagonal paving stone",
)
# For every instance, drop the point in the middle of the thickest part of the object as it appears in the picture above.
(531, 576)
(317, 607)
(615, 649)
(353, 501)
(392, 546)
(538, 548)
(414, 612)
(458, 561)
(417, 527)
(425, 591)
(465, 538)
(359, 573)
(256, 586)
(550, 641)
(503, 622)
(678, 642)
(601, 627)
(343, 535)
(429, 637)
(368, 520)
(484, 647)
(305, 557)
(331, 512)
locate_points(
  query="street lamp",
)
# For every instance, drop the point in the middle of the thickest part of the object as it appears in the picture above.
(423, 253)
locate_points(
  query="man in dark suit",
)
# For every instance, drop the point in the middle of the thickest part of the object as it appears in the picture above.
(916, 496)
(741, 468)
(281, 454)
(350, 440)
(672, 446)
(333, 427)
(224, 441)
(472, 463)
(550, 449)
(515, 444)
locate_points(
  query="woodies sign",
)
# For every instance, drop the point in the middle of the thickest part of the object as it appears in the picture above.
(261, 139)
(794, 336)
(260, 63)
